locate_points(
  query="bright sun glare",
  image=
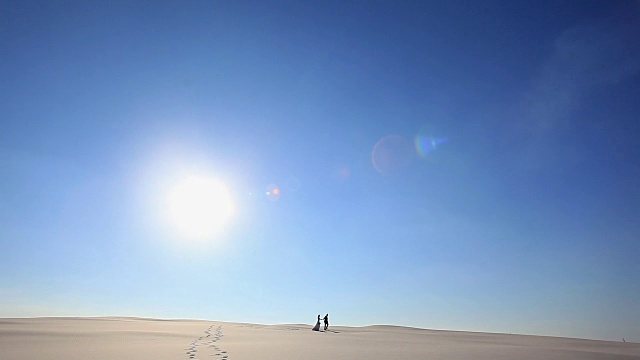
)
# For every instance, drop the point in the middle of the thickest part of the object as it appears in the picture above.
(200, 206)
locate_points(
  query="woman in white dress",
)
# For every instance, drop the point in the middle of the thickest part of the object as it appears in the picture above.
(317, 327)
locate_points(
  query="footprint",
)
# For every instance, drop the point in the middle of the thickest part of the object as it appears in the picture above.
(207, 347)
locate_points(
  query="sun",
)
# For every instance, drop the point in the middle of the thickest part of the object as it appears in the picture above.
(200, 206)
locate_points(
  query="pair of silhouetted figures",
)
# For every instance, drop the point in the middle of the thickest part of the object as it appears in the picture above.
(326, 323)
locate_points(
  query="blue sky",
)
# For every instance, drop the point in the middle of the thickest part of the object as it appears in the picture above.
(518, 212)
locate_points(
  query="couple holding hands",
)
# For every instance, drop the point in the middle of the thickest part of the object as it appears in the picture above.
(326, 323)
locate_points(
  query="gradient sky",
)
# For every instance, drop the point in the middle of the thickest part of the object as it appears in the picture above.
(453, 165)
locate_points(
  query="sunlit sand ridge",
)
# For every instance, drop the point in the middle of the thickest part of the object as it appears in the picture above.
(132, 338)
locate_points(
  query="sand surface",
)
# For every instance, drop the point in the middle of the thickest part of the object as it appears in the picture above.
(133, 338)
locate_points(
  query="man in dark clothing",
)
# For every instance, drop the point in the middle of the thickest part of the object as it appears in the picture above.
(326, 321)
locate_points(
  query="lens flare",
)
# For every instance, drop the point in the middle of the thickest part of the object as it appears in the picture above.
(272, 192)
(427, 144)
(392, 154)
(292, 184)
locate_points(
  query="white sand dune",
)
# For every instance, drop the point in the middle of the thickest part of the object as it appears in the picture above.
(134, 338)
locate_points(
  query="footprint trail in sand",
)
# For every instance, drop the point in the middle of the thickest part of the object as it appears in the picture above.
(206, 347)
